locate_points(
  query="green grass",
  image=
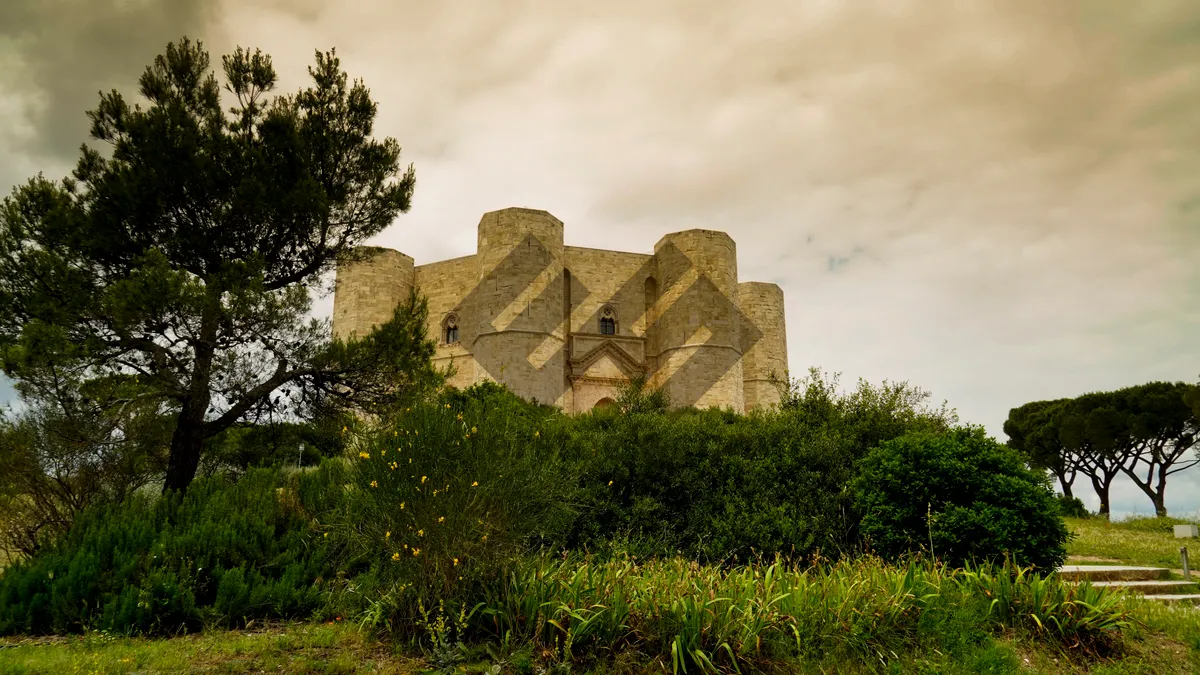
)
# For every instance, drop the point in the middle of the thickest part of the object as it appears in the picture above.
(620, 617)
(1133, 541)
(291, 648)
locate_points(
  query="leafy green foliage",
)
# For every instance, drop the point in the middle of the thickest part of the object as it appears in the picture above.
(447, 491)
(709, 619)
(711, 484)
(959, 496)
(1072, 507)
(1146, 432)
(187, 254)
(73, 446)
(719, 486)
(219, 555)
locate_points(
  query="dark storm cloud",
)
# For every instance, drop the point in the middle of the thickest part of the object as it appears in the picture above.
(57, 55)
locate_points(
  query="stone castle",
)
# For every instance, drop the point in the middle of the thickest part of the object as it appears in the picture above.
(569, 325)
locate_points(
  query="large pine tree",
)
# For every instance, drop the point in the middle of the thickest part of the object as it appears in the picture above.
(188, 251)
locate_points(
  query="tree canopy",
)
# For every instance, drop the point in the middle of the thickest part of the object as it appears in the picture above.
(1146, 432)
(187, 253)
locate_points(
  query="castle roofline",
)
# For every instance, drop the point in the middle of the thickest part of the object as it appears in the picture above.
(522, 209)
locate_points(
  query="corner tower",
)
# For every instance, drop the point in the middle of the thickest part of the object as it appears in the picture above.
(764, 341)
(697, 332)
(518, 310)
(371, 283)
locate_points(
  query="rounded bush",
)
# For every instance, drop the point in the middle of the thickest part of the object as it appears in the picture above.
(959, 496)
(1072, 507)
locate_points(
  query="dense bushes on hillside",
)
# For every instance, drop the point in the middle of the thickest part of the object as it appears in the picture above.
(719, 486)
(439, 501)
(961, 496)
(221, 554)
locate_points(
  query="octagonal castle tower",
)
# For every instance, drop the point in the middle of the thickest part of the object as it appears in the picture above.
(567, 325)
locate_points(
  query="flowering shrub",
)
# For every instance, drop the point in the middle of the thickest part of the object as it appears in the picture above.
(445, 491)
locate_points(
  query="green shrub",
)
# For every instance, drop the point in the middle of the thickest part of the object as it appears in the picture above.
(711, 484)
(962, 497)
(220, 554)
(1071, 507)
(447, 491)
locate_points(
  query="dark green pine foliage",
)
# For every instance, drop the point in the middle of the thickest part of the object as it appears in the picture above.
(218, 554)
(187, 253)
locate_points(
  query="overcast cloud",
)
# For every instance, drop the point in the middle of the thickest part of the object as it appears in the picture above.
(996, 204)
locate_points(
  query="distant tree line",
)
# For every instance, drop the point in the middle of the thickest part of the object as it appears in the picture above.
(1147, 432)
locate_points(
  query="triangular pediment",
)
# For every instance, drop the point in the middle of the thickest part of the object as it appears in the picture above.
(607, 361)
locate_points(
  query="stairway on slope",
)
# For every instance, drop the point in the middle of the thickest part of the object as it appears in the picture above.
(1154, 583)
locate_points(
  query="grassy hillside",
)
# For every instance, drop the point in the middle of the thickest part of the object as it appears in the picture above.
(1131, 541)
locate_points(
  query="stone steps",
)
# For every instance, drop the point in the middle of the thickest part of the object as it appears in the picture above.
(1149, 587)
(1153, 583)
(1113, 573)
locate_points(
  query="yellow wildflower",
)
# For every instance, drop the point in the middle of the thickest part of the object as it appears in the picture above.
(456, 562)
(401, 506)
(475, 484)
(420, 533)
(410, 460)
(343, 430)
(326, 535)
(447, 406)
(485, 537)
(537, 434)
(458, 417)
(423, 479)
(416, 551)
(396, 556)
(365, 455)
(382, 453)
(416, 432)
(441, 519)
(374, 483)
(473, 430)
(610, 482)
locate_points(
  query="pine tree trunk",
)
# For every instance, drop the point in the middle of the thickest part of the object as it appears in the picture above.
(1102, 492)
(186, 445)
(1066, 486)
(188, 441)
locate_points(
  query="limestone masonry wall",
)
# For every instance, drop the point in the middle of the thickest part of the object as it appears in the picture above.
(764, 341)
(368, 291)
(446, 286)
(528, 313)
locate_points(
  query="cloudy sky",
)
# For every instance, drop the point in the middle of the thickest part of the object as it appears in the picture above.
(998, 202)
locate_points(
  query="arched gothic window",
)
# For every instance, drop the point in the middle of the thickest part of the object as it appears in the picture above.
(608, 321)
(450, 333)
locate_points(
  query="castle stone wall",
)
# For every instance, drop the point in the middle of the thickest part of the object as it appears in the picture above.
(764, 339)
(519, 309)
(528, 310)
(613, 278)
(367, 292)
(446, 286)
(697, 332)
